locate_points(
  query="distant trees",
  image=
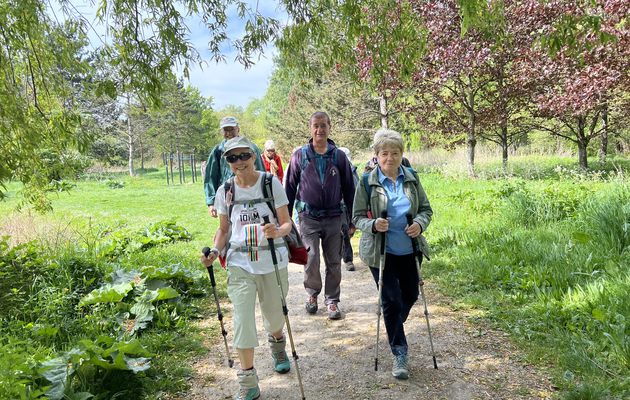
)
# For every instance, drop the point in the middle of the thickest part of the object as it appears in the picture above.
(41, 56)
(468, 69)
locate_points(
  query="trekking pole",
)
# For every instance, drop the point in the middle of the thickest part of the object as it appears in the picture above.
(381, 267)
(206, 252)
(285, 310)
(418, 256)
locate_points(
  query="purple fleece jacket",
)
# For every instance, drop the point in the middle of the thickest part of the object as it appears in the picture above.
(323, 184)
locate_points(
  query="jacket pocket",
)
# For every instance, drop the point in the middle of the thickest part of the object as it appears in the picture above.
(367, 245)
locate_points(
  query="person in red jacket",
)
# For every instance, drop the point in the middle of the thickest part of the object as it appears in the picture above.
(272, 161)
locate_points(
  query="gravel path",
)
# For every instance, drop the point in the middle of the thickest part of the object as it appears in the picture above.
(336, 358)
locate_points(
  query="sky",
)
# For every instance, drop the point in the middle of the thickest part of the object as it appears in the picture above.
(228, 83)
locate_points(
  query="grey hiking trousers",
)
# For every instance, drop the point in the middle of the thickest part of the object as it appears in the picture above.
(327, 232)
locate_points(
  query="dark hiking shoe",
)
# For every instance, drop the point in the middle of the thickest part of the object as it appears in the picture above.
(349, 266)
(311, 305)
(400, 369)
(333, 311)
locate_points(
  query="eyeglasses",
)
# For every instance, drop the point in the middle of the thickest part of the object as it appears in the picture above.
(232, 158)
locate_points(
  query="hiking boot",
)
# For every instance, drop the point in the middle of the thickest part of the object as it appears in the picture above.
(281, 363)
(248, 385)
(311, 305)
(400, 369)
(333, 311)
(349, 266)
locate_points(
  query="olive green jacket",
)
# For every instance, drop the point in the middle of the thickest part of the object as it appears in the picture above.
(370, 243)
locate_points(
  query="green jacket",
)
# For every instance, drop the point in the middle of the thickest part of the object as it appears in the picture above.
(218, 171)
(370, 243)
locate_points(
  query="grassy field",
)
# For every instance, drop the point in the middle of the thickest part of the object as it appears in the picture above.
(541, 251)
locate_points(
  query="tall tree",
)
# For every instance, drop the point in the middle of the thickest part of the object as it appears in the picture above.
(578, 84)
(146, 40)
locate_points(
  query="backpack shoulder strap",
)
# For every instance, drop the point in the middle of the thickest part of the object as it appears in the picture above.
(267, 190)
(305, 159)
(368, 188)
(228, 186)
(413, 172)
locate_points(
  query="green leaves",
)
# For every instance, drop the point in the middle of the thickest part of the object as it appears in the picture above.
(105, 353)
(123, 242)
(107, 294)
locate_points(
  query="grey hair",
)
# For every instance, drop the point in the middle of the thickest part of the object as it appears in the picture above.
(387, 138)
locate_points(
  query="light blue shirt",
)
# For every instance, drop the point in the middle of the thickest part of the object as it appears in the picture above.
(398, 205)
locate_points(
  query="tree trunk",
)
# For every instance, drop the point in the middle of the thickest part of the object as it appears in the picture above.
(603, 149)
(504, 147)
(582, 143)
(130, 142)
(141, 156)
(504, 121)
(383, 111)
(471, 140)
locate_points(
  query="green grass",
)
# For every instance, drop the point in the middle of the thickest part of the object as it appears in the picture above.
(41, 284)
(546, 260)
(541, 252)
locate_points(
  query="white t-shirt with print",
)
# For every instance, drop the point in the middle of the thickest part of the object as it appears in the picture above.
(246, 225)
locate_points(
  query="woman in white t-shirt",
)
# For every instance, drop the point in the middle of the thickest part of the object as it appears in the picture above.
(249, 265)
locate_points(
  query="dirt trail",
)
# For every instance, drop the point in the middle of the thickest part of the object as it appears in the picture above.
(336, 358)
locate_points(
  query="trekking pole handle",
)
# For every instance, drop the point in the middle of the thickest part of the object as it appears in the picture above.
(272, 245)
(206, 252)
(384, 216)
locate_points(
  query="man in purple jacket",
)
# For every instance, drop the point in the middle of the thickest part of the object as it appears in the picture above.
(318, 178)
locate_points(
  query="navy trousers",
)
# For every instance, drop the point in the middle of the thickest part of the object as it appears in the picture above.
(400, 292)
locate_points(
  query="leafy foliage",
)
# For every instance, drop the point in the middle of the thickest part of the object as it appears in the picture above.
(122, 242)
(559, 288)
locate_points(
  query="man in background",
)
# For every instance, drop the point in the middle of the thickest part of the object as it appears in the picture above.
(318, 179)
(217, 169)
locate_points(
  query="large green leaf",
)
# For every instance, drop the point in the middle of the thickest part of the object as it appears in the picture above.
(107, 294)
(166, 293)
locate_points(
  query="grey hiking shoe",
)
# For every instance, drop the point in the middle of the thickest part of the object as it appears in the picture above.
(248, 394)
(248, 385)
(281, 363)
(333, 311)
(400, 369)
(349, 266)
(311, 305)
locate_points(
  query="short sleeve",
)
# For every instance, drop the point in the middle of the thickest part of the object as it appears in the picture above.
(219, 201)
(279, 195)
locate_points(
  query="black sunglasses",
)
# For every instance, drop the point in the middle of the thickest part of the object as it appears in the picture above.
(232, 158)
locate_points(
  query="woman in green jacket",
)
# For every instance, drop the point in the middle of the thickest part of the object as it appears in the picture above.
(397, 190)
